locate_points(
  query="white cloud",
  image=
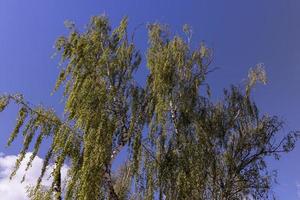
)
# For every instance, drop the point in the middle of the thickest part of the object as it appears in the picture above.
(14, 189)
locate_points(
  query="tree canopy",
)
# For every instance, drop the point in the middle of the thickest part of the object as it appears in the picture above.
(180, 143)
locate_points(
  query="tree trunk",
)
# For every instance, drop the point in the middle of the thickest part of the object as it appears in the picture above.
(57, 186)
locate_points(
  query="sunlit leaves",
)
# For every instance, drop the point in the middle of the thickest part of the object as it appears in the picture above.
(3, 103)
(20, 121)
(181, 144)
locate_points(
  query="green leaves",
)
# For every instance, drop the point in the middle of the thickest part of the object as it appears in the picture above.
(181, 144)
(3, 103)
(256, 75)
(176, 71)
(20, 121)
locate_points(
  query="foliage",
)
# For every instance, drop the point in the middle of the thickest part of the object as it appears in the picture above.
(181, 144)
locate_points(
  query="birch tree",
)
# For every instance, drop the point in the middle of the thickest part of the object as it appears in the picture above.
(180, 143)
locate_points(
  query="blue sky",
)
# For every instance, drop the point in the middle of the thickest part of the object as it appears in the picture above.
(242, 34)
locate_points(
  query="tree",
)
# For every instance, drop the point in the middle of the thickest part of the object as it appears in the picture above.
(181, 144)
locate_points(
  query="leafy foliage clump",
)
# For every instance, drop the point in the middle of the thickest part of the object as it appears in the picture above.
(181, 144)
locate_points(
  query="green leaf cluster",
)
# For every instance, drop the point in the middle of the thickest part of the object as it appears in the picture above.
(181, 144)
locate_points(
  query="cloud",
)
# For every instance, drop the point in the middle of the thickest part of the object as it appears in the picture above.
(14, 189)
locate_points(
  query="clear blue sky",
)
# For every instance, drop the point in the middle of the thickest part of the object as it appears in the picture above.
(242, 34)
